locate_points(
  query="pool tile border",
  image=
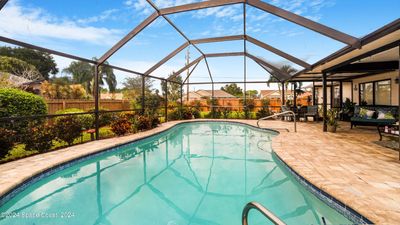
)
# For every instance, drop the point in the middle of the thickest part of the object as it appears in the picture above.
(343, 209)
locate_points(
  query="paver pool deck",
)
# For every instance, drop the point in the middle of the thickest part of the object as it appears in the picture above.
(346, 164)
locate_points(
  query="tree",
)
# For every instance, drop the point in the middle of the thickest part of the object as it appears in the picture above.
(252, 93)
(273, 78)
(19, 68)
(233, 89)
(42, 61)
(83, 73)
(106, 74)
(173, 89)
(133, 86)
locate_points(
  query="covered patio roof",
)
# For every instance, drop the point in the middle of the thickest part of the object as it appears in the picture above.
(379, 52)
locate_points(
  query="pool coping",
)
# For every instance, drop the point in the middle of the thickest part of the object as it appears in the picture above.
(12, 190)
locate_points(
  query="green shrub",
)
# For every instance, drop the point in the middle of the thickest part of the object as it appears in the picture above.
(86, 120)
(121, 126)
(143, 122)
(15, 103)
(263, 112)
(6, 141)
(154, 121)
(106, 118)
(187, 113)
(174, 115)
(196, 113)
(225, 112)
(67, 129)
(39, 138)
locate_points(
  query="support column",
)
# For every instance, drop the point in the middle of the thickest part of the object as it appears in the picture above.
(324, 102)
(294, 96)
(143, 93)
(341, 94)
(96, 101)
(283, 93)
(166, 102)
(181, 104)
(398, 94)
(212, 100)
(313, 93)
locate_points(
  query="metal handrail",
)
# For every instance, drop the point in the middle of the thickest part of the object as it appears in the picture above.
(280, 114)
(255, 205)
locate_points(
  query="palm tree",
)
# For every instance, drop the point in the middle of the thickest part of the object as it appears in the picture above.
(106, 74)
(284, 68)
(83, 73)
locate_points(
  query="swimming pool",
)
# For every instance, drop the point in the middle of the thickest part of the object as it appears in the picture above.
(194, 173)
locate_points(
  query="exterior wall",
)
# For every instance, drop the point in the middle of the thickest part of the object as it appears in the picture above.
(384, 76)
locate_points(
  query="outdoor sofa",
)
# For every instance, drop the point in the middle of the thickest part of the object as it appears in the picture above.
(360, 119)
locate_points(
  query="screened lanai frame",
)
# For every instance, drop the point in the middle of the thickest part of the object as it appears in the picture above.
(281, 76)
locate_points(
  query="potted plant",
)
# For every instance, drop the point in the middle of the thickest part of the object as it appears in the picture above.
(331, 120)
(348, 109)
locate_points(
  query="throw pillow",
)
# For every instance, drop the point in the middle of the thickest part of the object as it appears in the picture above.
(363, 112)
(389, 116)
(381, 115)
(370, 113)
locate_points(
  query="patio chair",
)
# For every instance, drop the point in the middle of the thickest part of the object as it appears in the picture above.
(312, 111)
(287, 116)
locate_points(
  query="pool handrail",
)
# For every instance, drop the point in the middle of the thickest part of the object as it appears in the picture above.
(268, 214)
(280, 114)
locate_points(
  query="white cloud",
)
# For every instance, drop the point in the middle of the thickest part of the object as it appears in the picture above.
(103, 16)
(19, 22)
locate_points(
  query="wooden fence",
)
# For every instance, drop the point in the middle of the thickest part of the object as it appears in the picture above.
(60, 104)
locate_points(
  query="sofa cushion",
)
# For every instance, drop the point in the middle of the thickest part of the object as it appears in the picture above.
(373, 121)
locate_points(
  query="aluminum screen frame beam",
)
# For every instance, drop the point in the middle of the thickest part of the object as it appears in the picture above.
(278, 52)
(185, 67)
(168, 57)
(307, 23)
(218, 39)
(128, 37)
(3, 3)
(198, 5)
(265, 65)
(50, 51)
(229, 38)
(284, 76)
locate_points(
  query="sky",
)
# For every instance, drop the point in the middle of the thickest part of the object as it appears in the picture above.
(89, 28)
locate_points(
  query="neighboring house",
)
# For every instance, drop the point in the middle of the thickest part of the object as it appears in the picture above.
(113, 96)
(201, 94)
(275, 94)
(22, 83)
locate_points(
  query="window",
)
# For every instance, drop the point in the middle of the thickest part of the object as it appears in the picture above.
(375, 93)
(382, 92)
(336, 96)
(366, 93)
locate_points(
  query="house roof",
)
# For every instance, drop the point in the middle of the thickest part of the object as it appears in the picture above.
(217, 94)
(273, 92)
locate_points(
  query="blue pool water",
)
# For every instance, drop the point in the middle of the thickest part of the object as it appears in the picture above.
(194, 173)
